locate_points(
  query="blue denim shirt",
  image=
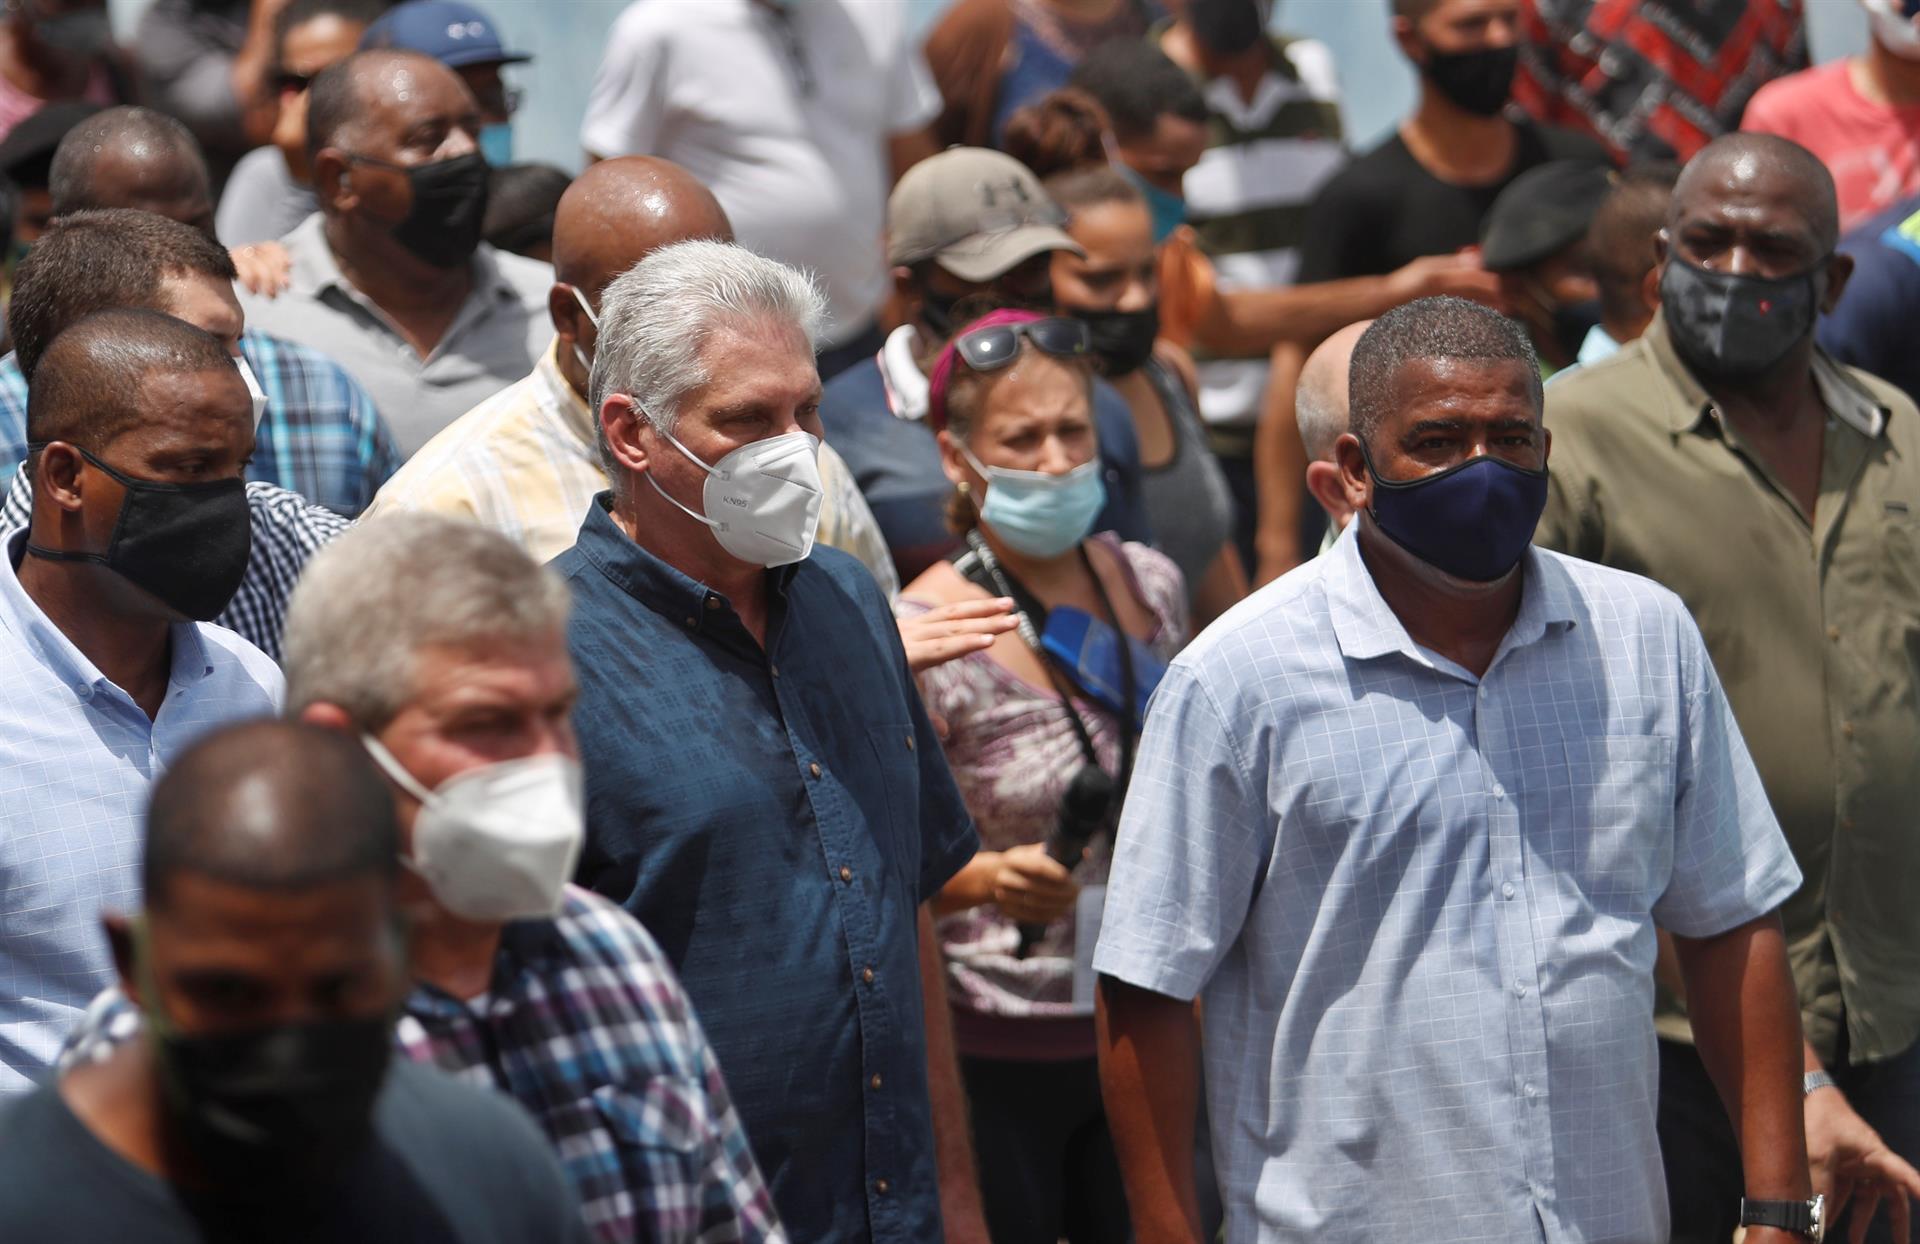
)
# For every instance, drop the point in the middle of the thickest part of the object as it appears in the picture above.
(775, 818)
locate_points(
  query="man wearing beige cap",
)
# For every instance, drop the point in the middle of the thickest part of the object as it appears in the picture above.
(963, 227)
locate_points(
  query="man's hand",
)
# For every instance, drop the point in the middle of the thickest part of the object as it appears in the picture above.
(265, 268)
(940, 635)
(1459, 274)
(1851, 1163)
(1032, 887)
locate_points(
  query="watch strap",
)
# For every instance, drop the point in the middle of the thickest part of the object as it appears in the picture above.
(1798, 1217)
(1816, 1080)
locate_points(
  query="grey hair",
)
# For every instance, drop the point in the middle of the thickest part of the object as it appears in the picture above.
(1317, 412)
(371, 600)
(1429, 328)
(656, 318)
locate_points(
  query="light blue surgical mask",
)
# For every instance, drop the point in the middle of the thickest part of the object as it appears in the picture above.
(1169, 210)
(496, 144)
(1038, 514)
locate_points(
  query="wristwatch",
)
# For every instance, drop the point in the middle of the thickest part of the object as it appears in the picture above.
(1807, 1218)
(1813, 1081)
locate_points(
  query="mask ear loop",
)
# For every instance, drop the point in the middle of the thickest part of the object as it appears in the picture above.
(395, 771)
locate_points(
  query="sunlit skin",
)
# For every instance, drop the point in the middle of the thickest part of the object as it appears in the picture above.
(310, 47)
(147, 177)
(1739, 213)
(764, 384)
(1443, 412)
(414, 111)
(1034, 416)
(469, 706)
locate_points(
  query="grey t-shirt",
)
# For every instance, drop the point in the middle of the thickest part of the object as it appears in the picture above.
(1188, 500)
(448, 1164)
(262, 201)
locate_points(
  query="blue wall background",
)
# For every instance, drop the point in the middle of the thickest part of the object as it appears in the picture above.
(565, 38)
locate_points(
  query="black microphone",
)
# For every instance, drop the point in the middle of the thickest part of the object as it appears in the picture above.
(1083, 813)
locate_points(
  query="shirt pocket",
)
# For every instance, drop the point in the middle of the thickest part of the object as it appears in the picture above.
(658, 1136)
(1613, 827)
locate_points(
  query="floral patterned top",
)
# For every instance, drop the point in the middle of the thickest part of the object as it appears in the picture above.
(1013, 751)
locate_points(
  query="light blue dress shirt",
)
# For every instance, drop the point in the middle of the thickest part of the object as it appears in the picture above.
(77, 758)
(1420, 905)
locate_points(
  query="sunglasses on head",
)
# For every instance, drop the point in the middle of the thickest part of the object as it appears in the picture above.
(990, 349)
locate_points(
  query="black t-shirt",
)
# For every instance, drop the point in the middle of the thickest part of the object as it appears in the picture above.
(1385, 209)
(448, 1164)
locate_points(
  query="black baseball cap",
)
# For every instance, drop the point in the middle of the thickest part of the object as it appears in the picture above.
(1542, 212)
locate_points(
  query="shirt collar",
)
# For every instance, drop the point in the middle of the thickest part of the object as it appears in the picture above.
(558, 397)
(682, 600)
(314, 268)
(906, 385)
(1840, 393)
(51, 647)
(1366, 627)
(1598, 344)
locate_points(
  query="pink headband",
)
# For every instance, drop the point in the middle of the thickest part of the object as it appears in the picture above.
(941, 377)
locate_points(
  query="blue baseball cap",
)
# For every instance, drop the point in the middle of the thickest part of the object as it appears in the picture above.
(452, 33)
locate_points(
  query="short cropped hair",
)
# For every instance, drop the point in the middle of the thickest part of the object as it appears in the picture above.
(71, 179)
(334, 100)
(371, 600)
(1136, 84)
(98, 260)
(521, 202)
(269, 805)
(300, 12)
(1620, 241)
(88, 390)
(1429, 328)
(656, 319)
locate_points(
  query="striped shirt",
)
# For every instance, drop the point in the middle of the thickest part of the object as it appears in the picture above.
(586, 1026)
(320, 435)
(524, 463)
(1247, 199)
(1421, 905)
(286, 532)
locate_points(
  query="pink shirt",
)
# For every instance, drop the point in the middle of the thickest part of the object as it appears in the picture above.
(1873, 150)
(17, 105)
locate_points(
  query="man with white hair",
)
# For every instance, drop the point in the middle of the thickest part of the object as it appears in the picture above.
(1320, 408)
(765, 791)
(442, 646)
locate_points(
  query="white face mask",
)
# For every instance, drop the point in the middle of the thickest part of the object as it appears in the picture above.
(1893, 28)
(254, 391)
(762, 500)
(586, 364)
(499, 842)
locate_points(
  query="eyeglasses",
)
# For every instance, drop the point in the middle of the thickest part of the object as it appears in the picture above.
(990, 349)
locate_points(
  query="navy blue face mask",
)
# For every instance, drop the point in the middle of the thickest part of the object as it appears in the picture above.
(1473, 521)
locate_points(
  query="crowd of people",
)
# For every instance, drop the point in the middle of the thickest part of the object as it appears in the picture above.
(989, 636)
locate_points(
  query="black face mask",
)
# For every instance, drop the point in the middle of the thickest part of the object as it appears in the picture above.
(1123, 340)
(275, 1102)
(186, 544)
(1478, 82)
(1226, 27)
(449, 207)
(1736, 327)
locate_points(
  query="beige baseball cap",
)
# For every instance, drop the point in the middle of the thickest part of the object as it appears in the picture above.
(977, 213)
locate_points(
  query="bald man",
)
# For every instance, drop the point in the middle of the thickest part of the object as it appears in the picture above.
(1320, 408)
(390, 277)
(262, 1100)
(1725, 455)
(523, 461)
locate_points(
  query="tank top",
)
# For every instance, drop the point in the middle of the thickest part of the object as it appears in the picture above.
(1189, 505)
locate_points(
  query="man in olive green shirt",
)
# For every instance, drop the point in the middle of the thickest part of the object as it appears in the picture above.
(1778, 493)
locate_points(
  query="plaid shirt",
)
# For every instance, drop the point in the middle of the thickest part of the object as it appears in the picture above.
(286, 532)
(588, 1028)
(320, 437)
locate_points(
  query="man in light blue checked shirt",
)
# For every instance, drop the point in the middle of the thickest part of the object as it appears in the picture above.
(1406, 821)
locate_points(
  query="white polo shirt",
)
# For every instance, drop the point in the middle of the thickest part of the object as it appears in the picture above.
(784, 113)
